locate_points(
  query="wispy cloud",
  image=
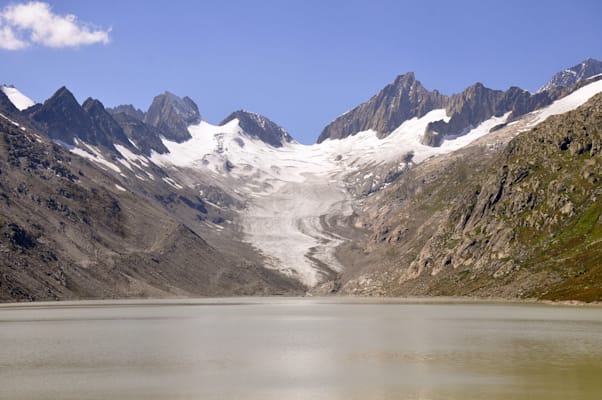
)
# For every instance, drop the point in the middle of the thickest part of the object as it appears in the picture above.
(23, 25)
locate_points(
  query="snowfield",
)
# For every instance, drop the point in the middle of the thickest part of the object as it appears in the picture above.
(569, 102)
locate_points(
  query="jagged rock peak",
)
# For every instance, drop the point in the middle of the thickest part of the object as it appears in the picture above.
(408, 77)
(106, 130)
(127, 109)
(173, 115)
(63, 95)
(570, 76)
(63, 117)
(93, 105)
(403, 99)
(261, 127)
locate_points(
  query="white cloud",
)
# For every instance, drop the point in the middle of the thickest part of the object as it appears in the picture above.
(8, 40)
(22, 25)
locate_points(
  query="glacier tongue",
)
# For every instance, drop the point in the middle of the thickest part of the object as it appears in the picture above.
(289, 226)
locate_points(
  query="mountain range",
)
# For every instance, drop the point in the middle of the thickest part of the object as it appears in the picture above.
(481, 193)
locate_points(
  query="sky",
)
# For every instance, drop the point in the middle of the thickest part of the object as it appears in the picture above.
(301, 63)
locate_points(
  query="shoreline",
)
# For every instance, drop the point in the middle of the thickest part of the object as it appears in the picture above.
(276, 299)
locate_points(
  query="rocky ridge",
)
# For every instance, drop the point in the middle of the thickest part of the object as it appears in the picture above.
(399, 101)
(406, 98)
(65, 120)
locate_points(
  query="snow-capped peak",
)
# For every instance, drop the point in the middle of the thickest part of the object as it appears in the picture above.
(571, 76)
(258, 126)
(18, 99)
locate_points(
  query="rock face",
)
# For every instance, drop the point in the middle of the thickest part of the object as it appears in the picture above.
(127, 109)
(260, 127)
(173, 115)
(573, 75)
(478, 103)
(106, 129)
(399, 101)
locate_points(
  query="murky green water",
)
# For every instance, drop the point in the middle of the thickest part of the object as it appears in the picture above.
(299, 349)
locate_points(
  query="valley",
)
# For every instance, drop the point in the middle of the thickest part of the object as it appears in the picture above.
(407, 194)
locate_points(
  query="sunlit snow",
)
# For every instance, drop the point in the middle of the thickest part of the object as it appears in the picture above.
(19, 100)
(92, 153)
(569, 102)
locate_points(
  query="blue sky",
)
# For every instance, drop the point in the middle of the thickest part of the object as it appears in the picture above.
(301, 63)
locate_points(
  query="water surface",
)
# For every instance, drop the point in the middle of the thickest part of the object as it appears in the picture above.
(299, 349)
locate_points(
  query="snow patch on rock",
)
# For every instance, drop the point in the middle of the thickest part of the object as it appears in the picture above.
(19, 100)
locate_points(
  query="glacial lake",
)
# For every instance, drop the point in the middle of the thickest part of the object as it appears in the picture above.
(307, 348)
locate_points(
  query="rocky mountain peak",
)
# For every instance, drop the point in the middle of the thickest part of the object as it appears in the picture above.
(260, 127)
(473, 89)
(397, 102)
(406, 98)
(63, 117)
(570, 76)
(93, 105)
(404, 80)
(106, 130)
(173, 115)
(64, 97)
